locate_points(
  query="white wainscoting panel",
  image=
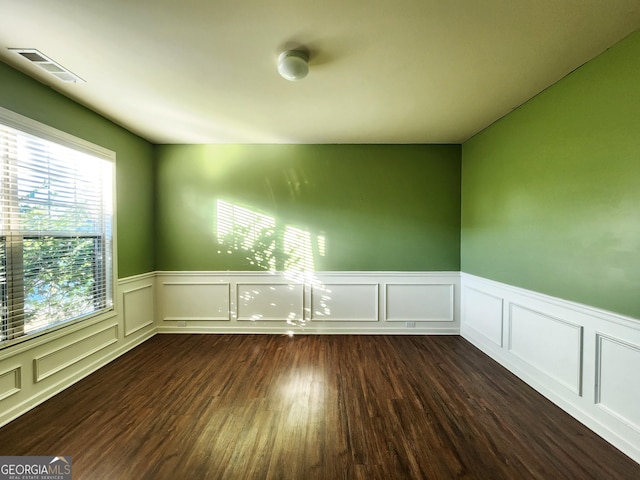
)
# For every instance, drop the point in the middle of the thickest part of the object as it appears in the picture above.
(66, 355)
(336, 302)
(184, 301)
(483, 313)
(618, 379)
(549, 344)
(270, 301)
(420, 302)
(585, 360)
(322, 302)
(138, 308)
(10, 382)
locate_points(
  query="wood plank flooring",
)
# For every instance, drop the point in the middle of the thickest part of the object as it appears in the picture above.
(310, 407)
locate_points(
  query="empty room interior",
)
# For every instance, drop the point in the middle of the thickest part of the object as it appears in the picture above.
(321, 239)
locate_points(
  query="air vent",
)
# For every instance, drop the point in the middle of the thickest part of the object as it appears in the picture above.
(44, 62)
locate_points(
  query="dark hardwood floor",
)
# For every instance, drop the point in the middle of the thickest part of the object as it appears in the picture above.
(310, 407)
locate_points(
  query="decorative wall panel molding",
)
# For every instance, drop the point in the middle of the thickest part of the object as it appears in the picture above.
(420, 302)
(63, 357)
(322, 302)
(10, 382)
(551, 345)
(270, 301)
(138, 308)
(618, 379)
(182, 301)
(483, 313)
(583, 359)
(345, 302)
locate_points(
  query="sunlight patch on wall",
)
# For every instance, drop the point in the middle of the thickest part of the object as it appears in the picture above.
(255, 241)
(246, 234)
(298, 250)
(261, 243)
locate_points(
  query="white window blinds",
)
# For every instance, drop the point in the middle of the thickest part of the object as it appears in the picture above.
(56, 244)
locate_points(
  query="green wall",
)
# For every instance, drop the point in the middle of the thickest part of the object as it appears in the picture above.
(380, 207)
(551, 193)
(134, 171)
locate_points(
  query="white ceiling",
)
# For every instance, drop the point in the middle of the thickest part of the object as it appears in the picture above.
(381, 71)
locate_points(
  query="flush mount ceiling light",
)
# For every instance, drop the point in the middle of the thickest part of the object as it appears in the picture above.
(44, 62)
(293, 64)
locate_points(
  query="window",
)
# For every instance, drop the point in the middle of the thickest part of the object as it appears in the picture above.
(56, 218)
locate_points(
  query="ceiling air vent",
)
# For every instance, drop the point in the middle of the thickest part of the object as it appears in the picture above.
(44, 62)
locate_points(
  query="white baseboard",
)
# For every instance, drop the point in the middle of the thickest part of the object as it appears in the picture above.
(583, 359)
(408, 303)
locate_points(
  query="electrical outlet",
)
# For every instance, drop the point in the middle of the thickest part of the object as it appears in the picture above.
(410, 324)
(182, 323)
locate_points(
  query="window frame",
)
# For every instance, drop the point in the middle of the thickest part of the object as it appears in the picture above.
(27, 125)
